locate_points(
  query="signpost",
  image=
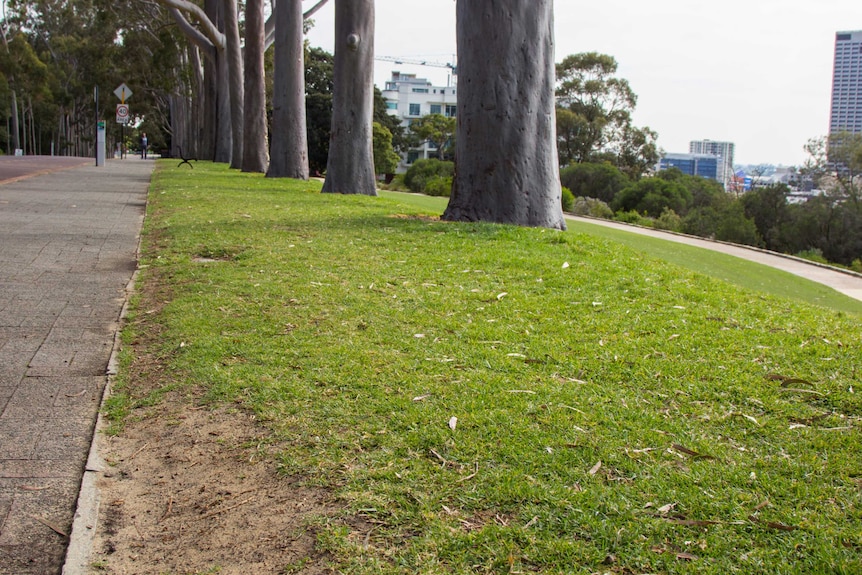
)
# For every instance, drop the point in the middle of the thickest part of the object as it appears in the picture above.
(122, 114)
(123, 93)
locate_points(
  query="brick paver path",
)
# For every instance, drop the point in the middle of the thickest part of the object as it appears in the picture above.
(68, 242)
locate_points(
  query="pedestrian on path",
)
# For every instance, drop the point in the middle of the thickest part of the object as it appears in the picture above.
(144, 146)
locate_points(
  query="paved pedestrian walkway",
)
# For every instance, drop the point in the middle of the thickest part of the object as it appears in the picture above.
(68, 242)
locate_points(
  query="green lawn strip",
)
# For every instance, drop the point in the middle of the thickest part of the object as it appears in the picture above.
(614, 413)
(735, 270)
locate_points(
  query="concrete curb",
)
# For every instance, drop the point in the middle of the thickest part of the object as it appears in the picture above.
(86, 519)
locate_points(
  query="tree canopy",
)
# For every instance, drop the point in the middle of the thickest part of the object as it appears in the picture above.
(594, 116)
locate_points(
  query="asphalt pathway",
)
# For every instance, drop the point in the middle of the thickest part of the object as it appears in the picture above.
(848, 283)
(68, 248)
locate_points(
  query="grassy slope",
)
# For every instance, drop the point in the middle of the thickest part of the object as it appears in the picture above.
(721, 266)
(614, 413)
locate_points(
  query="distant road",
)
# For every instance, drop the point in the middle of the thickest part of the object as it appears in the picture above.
(847, 283)
(14, 168)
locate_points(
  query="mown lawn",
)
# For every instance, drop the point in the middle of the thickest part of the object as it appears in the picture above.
(495, 399)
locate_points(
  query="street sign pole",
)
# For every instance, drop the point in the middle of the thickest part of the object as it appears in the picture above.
(123, 93)
(96, 121)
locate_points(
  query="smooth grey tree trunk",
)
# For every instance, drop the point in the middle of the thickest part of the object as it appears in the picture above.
(255, 155)
(350, 166)
(233, 54)
(15, 128)
(289, 136)
(506, 156)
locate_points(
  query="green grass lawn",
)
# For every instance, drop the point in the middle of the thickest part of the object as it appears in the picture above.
(495, 399)
(722, 266)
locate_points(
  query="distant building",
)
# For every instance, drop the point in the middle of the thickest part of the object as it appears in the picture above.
(723, 150)
(846, 111)
(409, 98)
(703, 165)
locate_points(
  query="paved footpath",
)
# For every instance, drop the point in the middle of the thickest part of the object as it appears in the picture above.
(68, 240)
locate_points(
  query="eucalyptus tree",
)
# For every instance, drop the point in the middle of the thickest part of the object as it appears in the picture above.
(594, 116)
(255, 156)
(289, 135)
(350, 165)
(506, 155)
(213, 42)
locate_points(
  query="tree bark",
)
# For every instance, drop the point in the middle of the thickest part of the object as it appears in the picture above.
(233, 53)
(15, 128)
(289, 135)
(350, 166)
(255, 155)
(506, 156)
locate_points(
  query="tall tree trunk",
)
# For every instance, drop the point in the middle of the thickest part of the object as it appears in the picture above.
(289, 136)
(16, 129)
(235, 79)
(506, 157)
(350, 166)
(255, 155)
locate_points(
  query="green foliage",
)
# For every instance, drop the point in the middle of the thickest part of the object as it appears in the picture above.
(856, 265)
(602, 181)
(396, 184)
(771, 213)
(594, 116)
(634, 217)
(607, 411)
(735, 227)
(385, 158)
(319, 66)
(436, 129)
(439, 186)
(813, 255)
(422, 171)
(651, 196)
(592, 207)
(669, 221)
(401, 140)
(567, 199)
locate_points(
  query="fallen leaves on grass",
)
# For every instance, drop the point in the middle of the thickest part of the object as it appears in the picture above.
(691, 453)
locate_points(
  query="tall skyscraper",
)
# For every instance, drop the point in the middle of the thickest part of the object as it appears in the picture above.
(846, 114)
(723, 150)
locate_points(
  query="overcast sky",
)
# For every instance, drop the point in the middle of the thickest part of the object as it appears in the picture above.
(754, 72)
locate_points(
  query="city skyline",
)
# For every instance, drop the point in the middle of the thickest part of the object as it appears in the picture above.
(758, 75)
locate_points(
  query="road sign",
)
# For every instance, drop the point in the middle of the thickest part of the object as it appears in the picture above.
(122, 113)
(123, 93)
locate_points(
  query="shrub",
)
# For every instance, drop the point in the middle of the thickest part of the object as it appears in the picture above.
(593, 208)
(592, 180)
(651, 196)
(422, 171)
(567, 199)
(632, 217)
(397, 184)
(856, 266)
(668, 220)
(813, 255)
(439, 186)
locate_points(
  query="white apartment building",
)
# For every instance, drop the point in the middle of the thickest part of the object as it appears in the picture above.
(723, 150)
(408, 98)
